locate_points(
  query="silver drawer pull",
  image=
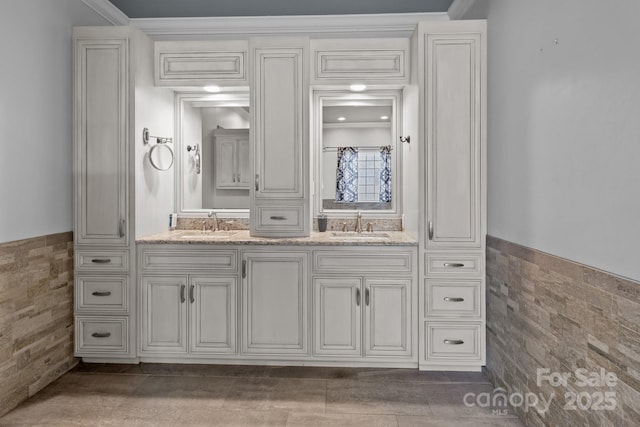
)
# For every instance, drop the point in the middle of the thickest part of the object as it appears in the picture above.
(278, 218)
(453, 342)
(101, 260)
(453, 264)
(101, 293)
(453, 299)
(101, 334)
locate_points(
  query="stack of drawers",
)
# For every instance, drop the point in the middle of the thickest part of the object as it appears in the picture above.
(102, 303)
(454, 324)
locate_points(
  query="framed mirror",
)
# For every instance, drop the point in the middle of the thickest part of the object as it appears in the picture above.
(357, 155)
(212, 152)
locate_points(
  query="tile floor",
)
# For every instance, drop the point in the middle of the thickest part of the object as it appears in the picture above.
(214, 395)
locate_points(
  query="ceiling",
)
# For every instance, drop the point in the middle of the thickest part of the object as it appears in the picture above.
(217, 8)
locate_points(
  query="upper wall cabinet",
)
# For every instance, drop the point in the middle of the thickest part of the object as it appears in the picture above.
(200, 63)
(347, 61)
(452, 72)
(279, 98)
(102, 124)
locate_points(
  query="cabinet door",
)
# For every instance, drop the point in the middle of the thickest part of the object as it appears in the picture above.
(337, 316)
(225, 162)
(212, 315)
(275, 303)
(243, 167)
(101, 127)
(279, 125)
(387, 317)
(451, 75)
(164, 314)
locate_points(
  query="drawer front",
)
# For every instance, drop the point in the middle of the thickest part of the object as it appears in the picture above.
(437, 264)
(453, 298)
(278, 218)
(102, 335)
(357, 262)
(87, 260)
(172, 260)
(102, 293)
(199, 63)
(453, 342)
(361, 64)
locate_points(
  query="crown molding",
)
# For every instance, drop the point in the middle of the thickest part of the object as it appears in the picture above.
(373, 25)
(108, 11)
(459, 7)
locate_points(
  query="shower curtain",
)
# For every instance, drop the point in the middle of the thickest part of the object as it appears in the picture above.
(347, 175)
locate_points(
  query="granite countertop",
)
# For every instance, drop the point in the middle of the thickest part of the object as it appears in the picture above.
(241, 237)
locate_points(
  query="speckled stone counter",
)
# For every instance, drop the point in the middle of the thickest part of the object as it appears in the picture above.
(242, 237)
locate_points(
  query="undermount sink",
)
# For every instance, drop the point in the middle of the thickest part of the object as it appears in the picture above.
(204, 235)
(352, 235)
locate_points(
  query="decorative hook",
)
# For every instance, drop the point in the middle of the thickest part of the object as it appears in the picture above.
(406, 139)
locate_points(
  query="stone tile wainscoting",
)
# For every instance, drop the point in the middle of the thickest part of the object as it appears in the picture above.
(36, 315)
(547, 312)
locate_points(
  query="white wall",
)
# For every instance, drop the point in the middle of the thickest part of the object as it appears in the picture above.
(36, 181)
(191, 181)
(564, 129)
(153, 110)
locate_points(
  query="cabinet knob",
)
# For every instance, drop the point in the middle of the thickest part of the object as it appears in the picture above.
(453, 342)
(191, 297)
(278, 218)
(430, 230)
(101, 334)
(358, 296)
(453, 299)
(453, 264)
(101, 260)
(182, 299)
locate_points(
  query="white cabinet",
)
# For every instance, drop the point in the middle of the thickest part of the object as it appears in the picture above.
(373, 61)
(232, 159)
(201, 63)
(164, 314)
(337, 316)
(274, 302)
(452, 82)
(388, 319)
(348, 309)
(280, 134)
(100, 142)
(183, 314)
(212, 316)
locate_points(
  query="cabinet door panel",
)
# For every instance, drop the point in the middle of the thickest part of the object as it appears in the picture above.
(213, 314)
(243, 167)
(275, 303)
(225, 163)
(337, 316)
(278, 135)
(164, 314)
(388, 317)
(101, 146)
(453, 133)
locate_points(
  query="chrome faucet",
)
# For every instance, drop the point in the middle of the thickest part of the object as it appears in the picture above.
(213, 215)
(370, 227)
(359, 223)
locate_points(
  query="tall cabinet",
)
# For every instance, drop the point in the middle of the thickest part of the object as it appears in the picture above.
(452, 81)
(279, 137)
(104, 192)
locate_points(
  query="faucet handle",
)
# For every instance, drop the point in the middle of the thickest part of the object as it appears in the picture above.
(344, 226)
(370, 227)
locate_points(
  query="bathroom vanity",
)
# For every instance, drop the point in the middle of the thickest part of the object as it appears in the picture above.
(247, 279)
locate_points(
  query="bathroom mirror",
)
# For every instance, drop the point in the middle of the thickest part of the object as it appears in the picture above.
(357, 152)
(212, 152)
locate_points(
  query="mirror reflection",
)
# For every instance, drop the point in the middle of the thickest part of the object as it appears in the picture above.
(214, 148)
(357, 156)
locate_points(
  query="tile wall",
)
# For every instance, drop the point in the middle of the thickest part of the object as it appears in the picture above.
(547, 312)
(36, 315)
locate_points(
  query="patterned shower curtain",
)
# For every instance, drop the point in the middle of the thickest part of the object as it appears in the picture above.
(347, 175)
(385, 174)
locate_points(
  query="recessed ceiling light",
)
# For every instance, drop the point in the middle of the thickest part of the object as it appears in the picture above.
(341, 119)
(384, 117)
(357, 87)
(212, 89)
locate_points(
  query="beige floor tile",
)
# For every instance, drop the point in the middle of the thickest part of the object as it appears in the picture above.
(408, 421)
(144, 417)
(232, 418)
(340, 420)
(70, 415)
(448, 400)
(180, 392)
(377, 397)
(277, 394)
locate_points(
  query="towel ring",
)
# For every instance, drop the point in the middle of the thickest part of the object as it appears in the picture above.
(161, 157)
